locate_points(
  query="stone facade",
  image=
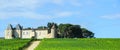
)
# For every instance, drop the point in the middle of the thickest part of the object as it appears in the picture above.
(23, 33)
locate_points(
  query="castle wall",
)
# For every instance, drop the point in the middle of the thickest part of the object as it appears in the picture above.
(8, 34)
(52, 33)
(27, 34)
(40, 34)
(17, 33)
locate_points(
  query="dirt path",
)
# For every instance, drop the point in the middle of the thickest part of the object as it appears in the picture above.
(33, 45)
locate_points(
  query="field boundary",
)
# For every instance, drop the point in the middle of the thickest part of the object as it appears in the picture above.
(33, 45)
(27, 45)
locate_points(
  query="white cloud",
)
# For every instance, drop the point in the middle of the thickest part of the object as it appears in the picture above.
(18, 3)
(65, 14)
(81, 3)
(75, 3)
(112, 16)
(62, 14)
(28, 4)
(23, 14)
(59, 2)
(33, 15)
(26, 8)
(23, 8)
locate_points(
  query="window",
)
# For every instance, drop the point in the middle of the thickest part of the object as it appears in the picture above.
(23, 33)
(26, 33)
(39, 33)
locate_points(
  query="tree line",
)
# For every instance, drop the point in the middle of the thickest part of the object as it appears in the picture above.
(70, 31)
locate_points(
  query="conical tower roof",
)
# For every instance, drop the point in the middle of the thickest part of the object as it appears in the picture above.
(53, 26)
(9, 27)
(18, 27)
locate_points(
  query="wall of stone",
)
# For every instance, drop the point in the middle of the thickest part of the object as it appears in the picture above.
(40, 34)
(8, 34)
(27, 33)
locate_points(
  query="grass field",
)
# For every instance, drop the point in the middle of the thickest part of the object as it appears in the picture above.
(12, 44)
(80, 44)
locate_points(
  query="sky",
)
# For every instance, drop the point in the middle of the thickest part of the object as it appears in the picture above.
(99, 16)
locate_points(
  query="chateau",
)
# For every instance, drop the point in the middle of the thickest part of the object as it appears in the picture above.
(26, 33)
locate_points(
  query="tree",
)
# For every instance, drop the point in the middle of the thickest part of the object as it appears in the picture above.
(42, 27)
(87, 34)
(63, 28)
(50, 24)
(75, 31)
(70, 31)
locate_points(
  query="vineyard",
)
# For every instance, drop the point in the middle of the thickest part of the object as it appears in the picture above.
(12, 44)
(64, 44)
(79, 44)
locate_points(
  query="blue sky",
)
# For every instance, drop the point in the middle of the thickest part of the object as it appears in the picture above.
(100, 16)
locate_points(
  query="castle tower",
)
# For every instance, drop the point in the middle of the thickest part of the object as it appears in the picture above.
(9, 32)
(18, 31)
(53, 31)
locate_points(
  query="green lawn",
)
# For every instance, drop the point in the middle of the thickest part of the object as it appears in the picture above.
(12, 44)
(80, 44)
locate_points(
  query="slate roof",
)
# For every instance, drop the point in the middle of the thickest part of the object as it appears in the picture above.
(9, 27)
(18, 27)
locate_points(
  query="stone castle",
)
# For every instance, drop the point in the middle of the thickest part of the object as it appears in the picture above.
(27, 33)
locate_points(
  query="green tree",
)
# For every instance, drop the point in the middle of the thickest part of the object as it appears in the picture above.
(63, 28)
(75, 31)
(87, 34)
(50, 24)
(70, 31)
(42, 27)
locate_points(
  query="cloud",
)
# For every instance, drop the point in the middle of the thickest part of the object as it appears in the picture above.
(18, 4)
(23, 14)
(81, 3)
(76, 3)
(27, 4)
(34, 15)
(64, 14)
(112, 16)
(58, 2)
(27, 8)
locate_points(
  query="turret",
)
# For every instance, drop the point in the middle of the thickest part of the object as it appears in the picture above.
(53, 31)
(9, 32)
(18, 31)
